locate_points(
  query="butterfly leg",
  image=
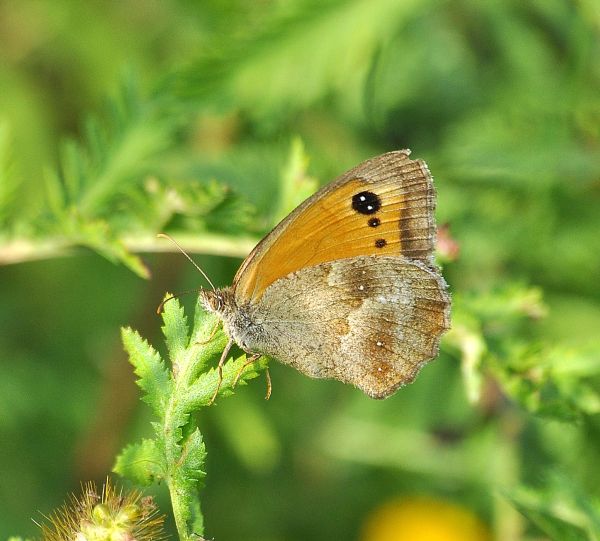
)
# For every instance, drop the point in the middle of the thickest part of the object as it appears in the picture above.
(269, 386)
(212, 334)
(220, 370)
(248, 362)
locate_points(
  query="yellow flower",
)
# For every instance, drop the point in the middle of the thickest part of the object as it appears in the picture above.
(423, 519)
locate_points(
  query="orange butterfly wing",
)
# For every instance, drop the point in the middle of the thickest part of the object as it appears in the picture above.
(382, 206)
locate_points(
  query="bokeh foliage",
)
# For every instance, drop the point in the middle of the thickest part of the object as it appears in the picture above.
(210, 120)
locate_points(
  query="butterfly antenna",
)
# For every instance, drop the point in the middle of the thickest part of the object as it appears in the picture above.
(160, 307)
(165, 236)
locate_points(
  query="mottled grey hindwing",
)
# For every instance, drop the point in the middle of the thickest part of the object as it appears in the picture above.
(372, 321)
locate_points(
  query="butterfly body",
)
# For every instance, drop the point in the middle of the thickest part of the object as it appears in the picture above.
(346, 287)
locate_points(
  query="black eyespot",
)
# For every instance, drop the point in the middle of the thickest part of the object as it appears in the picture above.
(366, 202)
(374, 222)
(380, 243)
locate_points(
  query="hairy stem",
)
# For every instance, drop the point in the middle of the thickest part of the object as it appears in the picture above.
(175, 417)
(176, 492)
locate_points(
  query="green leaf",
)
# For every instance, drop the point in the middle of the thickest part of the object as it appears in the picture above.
(193, 456)
(560, 509)
(204, 325)
(296, 184)
(142, 462)
(187, 474)
(154, 378)
(54, 194)
(551, 380)
(98, 235)
(236, 370)
(115, 159)
(545, 378)
(276, 72)
(207, 340)
(175, 327)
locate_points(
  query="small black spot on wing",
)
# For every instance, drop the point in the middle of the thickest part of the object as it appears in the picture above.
(374, 222)
(380, 243)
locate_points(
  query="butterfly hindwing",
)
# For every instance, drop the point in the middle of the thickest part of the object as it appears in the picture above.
(384, 206)
(371, 321)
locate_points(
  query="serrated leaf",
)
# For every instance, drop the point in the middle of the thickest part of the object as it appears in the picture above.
(204, 324)
(187, 474)
(135, 130)
(234, 370)
(97, 235)
(174, 400)
(208, 340)
(142, 462)
(175, 328)
(154, 378)
(193, 456)
(196, 518)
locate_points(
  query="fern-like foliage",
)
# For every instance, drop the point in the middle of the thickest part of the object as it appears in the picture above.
(174, 389)
(560, 509)
(113, 190)
(112, 163)
(550, 379)
(272, 69)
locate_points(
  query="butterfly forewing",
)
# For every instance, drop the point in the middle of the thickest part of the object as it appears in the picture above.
(384, 206)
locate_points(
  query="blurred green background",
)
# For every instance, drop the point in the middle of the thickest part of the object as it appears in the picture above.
(210, 120)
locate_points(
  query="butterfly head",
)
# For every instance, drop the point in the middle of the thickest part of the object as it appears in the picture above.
(237, 322)
(218, 301)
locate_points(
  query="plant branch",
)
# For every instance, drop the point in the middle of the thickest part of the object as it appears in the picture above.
(24, 250)
(175, 390)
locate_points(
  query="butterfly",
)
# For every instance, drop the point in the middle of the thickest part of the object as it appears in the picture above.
(346, 286)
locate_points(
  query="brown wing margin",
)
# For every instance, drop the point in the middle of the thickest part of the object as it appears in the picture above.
(326, 227)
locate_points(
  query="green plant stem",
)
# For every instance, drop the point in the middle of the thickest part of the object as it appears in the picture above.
(183, 372)
(508, 522)
(23, 250)
(172, 452)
